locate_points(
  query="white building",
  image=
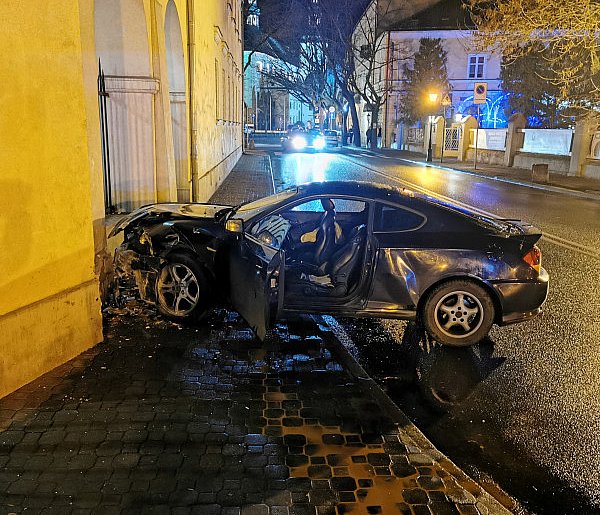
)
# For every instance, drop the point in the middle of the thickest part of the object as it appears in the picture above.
(399, 32)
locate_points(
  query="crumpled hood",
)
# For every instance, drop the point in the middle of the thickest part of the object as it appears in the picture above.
(178, 210)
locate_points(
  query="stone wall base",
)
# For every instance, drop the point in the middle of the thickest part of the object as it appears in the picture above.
(556, 164)
(39, 337)
(592, 169)
(485, 156)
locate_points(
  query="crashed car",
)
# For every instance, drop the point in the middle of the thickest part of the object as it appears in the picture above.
(343, 248)
(300, 140)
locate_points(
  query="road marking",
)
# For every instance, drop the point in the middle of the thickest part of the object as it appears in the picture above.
(552, 238)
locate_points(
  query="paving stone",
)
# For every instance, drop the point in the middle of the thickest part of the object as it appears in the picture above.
(255, 509)
(343, 483)
(415, 496)
(319, 471)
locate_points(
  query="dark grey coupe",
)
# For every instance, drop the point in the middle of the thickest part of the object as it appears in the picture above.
(343, 248)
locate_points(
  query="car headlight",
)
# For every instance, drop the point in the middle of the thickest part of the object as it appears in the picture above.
(319, 143)
(298, 143)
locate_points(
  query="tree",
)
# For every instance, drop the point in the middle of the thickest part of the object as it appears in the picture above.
(532, 95)
(278, 25)
(428, 74)
(564, 35)
(336, 22)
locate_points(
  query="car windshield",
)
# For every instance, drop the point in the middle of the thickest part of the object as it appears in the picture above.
(249, 209)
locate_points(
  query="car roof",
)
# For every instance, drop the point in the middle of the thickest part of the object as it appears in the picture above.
(378, 191)
(363, 189)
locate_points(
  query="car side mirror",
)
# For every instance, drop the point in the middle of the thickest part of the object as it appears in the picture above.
(235, 225)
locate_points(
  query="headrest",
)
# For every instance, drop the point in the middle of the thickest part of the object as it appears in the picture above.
(327, 204)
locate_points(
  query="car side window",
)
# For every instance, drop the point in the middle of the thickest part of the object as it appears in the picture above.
(313, 206)
(397, 219)
(271, 230)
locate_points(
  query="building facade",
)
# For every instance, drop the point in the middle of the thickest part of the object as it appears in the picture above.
(399, 34)
(169, 129)
(268, 106)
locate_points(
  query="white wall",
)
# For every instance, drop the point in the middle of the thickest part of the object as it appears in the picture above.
(548, 141)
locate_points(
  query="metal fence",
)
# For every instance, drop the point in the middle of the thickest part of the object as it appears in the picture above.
(452, 139)
(102, 104)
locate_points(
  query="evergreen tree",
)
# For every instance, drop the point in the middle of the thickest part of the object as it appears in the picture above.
(428, 74)
(529, 91)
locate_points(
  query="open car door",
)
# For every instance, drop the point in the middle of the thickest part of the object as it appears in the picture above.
(256, 281)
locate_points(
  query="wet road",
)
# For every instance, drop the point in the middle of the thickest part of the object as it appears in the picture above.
(523, 406)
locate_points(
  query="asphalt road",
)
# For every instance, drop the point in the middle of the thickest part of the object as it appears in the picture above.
(524, 406)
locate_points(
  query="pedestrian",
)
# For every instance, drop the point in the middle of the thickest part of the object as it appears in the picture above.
(379, 137)
(369, 133)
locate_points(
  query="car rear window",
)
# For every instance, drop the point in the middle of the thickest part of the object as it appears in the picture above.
(396, 219)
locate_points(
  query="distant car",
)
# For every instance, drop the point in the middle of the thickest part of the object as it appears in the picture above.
(300, 140)
(331, 138)
(342, 248)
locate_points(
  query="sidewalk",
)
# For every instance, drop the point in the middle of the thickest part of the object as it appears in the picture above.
(580, 186)
(165, 418)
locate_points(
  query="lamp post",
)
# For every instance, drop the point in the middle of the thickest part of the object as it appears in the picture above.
(432, 99)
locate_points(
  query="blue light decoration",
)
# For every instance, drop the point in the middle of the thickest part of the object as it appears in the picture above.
(492, 112)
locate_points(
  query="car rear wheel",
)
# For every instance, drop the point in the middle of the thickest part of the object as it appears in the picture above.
(458, 313)
(181, 288)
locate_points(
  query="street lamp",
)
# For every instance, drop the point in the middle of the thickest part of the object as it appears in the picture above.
(433, 100)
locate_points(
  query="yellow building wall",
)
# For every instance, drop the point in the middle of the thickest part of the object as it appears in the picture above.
(49, 299)
(217, 75)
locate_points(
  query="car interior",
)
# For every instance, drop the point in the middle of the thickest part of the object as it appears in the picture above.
(324, 241)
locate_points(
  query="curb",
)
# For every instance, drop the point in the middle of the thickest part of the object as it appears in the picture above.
(487, 502)
(516, 182)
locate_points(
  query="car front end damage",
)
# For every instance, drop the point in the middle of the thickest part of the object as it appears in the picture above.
(152, 233)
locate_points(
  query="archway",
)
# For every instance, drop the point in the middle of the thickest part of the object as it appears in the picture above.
(122, 48)
(177, 98)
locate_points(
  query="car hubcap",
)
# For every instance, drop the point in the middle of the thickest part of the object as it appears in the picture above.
(458, 314)
(178, 289)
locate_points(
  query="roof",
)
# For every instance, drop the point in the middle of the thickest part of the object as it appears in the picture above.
(442, 15)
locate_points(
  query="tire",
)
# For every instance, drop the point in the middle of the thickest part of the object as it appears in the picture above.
(458, 313)
(182, 288)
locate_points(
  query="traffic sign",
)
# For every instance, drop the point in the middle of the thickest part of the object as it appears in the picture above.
(446, 100)
(480, 93)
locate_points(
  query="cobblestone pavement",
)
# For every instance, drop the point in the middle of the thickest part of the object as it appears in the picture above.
(165, 418)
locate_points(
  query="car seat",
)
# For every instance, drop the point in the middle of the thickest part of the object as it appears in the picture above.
(325, 240)
(335, 277)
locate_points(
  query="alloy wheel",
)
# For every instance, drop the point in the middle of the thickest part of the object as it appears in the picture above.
(178, 289)
(458, 314)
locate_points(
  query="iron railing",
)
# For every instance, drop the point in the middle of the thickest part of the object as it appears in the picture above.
(102, 103)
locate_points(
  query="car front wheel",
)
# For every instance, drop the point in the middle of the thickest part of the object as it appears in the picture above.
(181, 288)
(458, 313)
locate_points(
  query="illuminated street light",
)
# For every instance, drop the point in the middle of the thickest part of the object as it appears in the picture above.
(433, 98)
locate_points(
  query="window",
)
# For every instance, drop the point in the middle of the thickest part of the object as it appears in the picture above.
(217, 91)
(341, 206)
(476, 67)
(396, 219)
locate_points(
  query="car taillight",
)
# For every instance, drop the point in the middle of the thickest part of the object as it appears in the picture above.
(534, 258)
